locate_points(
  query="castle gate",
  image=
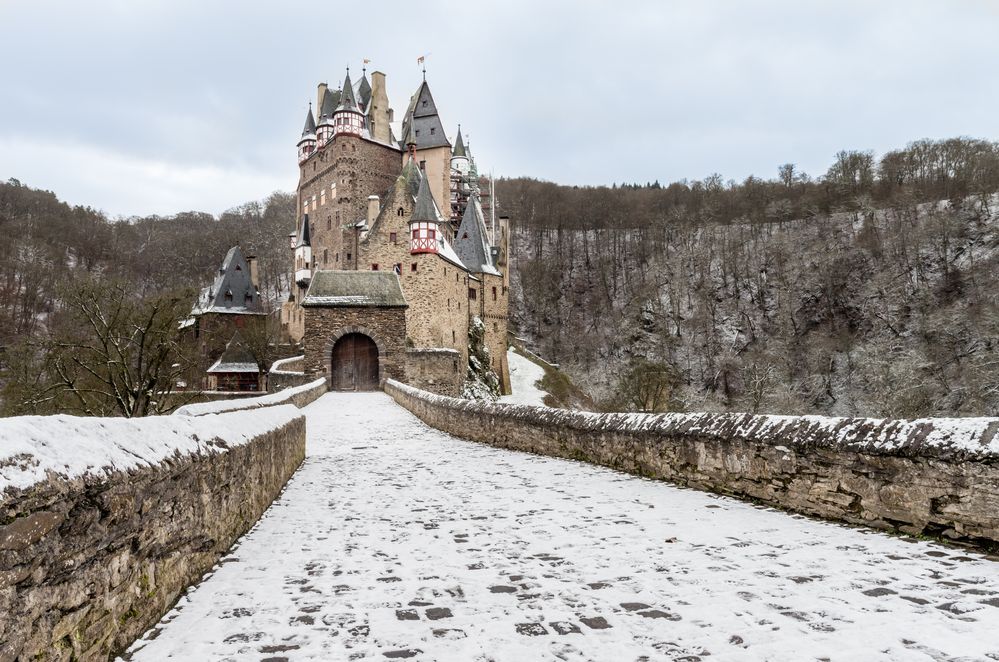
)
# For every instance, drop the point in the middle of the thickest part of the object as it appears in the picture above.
(354, 363)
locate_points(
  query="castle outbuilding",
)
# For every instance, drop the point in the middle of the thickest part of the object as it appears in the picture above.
(374, 210)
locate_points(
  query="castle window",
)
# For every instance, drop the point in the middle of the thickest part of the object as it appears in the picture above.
(247, 298)
(424, 103)
(412, 267)
(494, 294)
(392, 237)
(471, 293)
(433, 130)
(454, 338)
(397, 268)
(239, 268)
(417, 133)
(495, 326)
(416, 233)
(348, 257)
(464, 235)
(329, 222)
(336, 258)
(399, 212)
(228, 295)
(326, 259)
(374, 267)
(431, 233)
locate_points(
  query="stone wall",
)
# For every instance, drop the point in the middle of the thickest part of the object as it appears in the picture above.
(438, 371)
(386, 326)
(299, 396)
(935, 477)
(91, 559)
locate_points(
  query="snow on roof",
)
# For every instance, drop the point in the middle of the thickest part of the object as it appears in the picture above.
(269, 400)
(940, 438)
(33, 447)
(219, 366)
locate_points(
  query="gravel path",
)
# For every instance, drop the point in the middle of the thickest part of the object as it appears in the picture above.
(396, 541)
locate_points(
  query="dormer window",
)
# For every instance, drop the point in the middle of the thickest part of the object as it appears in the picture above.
(248, 298)
(424, 103)
(239, 268)
(433, 130)
(228, 295)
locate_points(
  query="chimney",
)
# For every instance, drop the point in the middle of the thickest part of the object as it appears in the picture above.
(319, 100)
(254, 271)
(379, 114)
(373, 208)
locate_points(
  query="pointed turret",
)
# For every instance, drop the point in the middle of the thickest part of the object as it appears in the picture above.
(459, 146)
(424, 223)
(470, 242)
(364, 92)
(325, 129)
(412, 174)
(348, 117)
(307, 144)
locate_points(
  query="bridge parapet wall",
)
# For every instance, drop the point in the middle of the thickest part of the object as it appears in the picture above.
(298, 395)
(936, 477)
(103, 522)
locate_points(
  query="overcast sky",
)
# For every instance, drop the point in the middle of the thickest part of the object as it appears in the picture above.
(160, 106)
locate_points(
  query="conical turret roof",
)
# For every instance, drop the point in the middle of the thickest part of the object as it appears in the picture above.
(412, 174)
(364, 92)
(425, 209)
(310, 124)
(347, 100)
(330, 101)
(459, 145)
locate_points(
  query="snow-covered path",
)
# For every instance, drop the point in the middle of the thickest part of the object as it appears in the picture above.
(397, 541)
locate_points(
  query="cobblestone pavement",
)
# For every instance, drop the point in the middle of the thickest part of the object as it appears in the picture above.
(396, 541)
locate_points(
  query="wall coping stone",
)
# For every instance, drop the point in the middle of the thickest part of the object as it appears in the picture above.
(298, 395)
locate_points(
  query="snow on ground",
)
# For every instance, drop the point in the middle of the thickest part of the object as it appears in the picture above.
(524, 376)
(395, 540)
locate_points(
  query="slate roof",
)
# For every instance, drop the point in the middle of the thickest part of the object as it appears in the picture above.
(355, 289)
(330, 101)
(347, 101)
(236, 358)
(232, 279)
(422, 117)
(425, 208)
(310, 124)
(364, 92)
(471, 242)
(304, 234)
(412, 174)
(459, 145)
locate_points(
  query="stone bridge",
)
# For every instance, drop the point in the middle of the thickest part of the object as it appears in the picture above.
(394, 540)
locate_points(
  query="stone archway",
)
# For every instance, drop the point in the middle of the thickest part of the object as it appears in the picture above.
(354, 364)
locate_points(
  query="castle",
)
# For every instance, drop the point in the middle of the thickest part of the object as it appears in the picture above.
(395, 260)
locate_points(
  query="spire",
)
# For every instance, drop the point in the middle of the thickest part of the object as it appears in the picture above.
(459, 145)
(330, 100)
(425, 209)
(412, 175)
(310, 123)
(363, 91)
(347, 100)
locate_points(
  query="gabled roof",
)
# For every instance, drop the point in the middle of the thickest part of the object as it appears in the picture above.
(425, 208)
(423, 119)
(236, 358)
(304, 234)
(459, 145)
(330, 100)
(355, 289)
(232, 291)
(310, 124)
(471, 243)
(347, 101)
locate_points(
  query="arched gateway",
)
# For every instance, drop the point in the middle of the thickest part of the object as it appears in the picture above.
(354, 363)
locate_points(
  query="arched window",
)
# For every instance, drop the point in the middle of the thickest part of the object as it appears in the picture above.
(398, 212)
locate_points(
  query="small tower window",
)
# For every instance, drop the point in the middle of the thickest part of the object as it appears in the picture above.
(471, 293)
(424, 103)
(326, 259)
(374, 267)
(412, 267)
(228, 295)
(397, 268)
(239, 268)
(417, 133)
(392, 237)
(416, 233)
(399, 212)
(247, 298)
(433, 130)
(348, 257)
(494, 294)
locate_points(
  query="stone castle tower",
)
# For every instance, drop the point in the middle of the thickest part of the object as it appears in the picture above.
(394, 255)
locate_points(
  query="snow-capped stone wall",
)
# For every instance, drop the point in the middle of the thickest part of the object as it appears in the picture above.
(297, 395)
(103, 522)
(937, 477)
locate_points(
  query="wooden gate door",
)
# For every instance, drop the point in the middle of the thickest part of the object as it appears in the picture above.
(355, 363)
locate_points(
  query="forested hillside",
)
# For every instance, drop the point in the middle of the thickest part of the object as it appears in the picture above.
(46, 246)
(869, 290)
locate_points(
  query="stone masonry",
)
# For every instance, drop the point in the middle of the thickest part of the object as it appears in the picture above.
(385, 326)
(877, 473)
(88, 564)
